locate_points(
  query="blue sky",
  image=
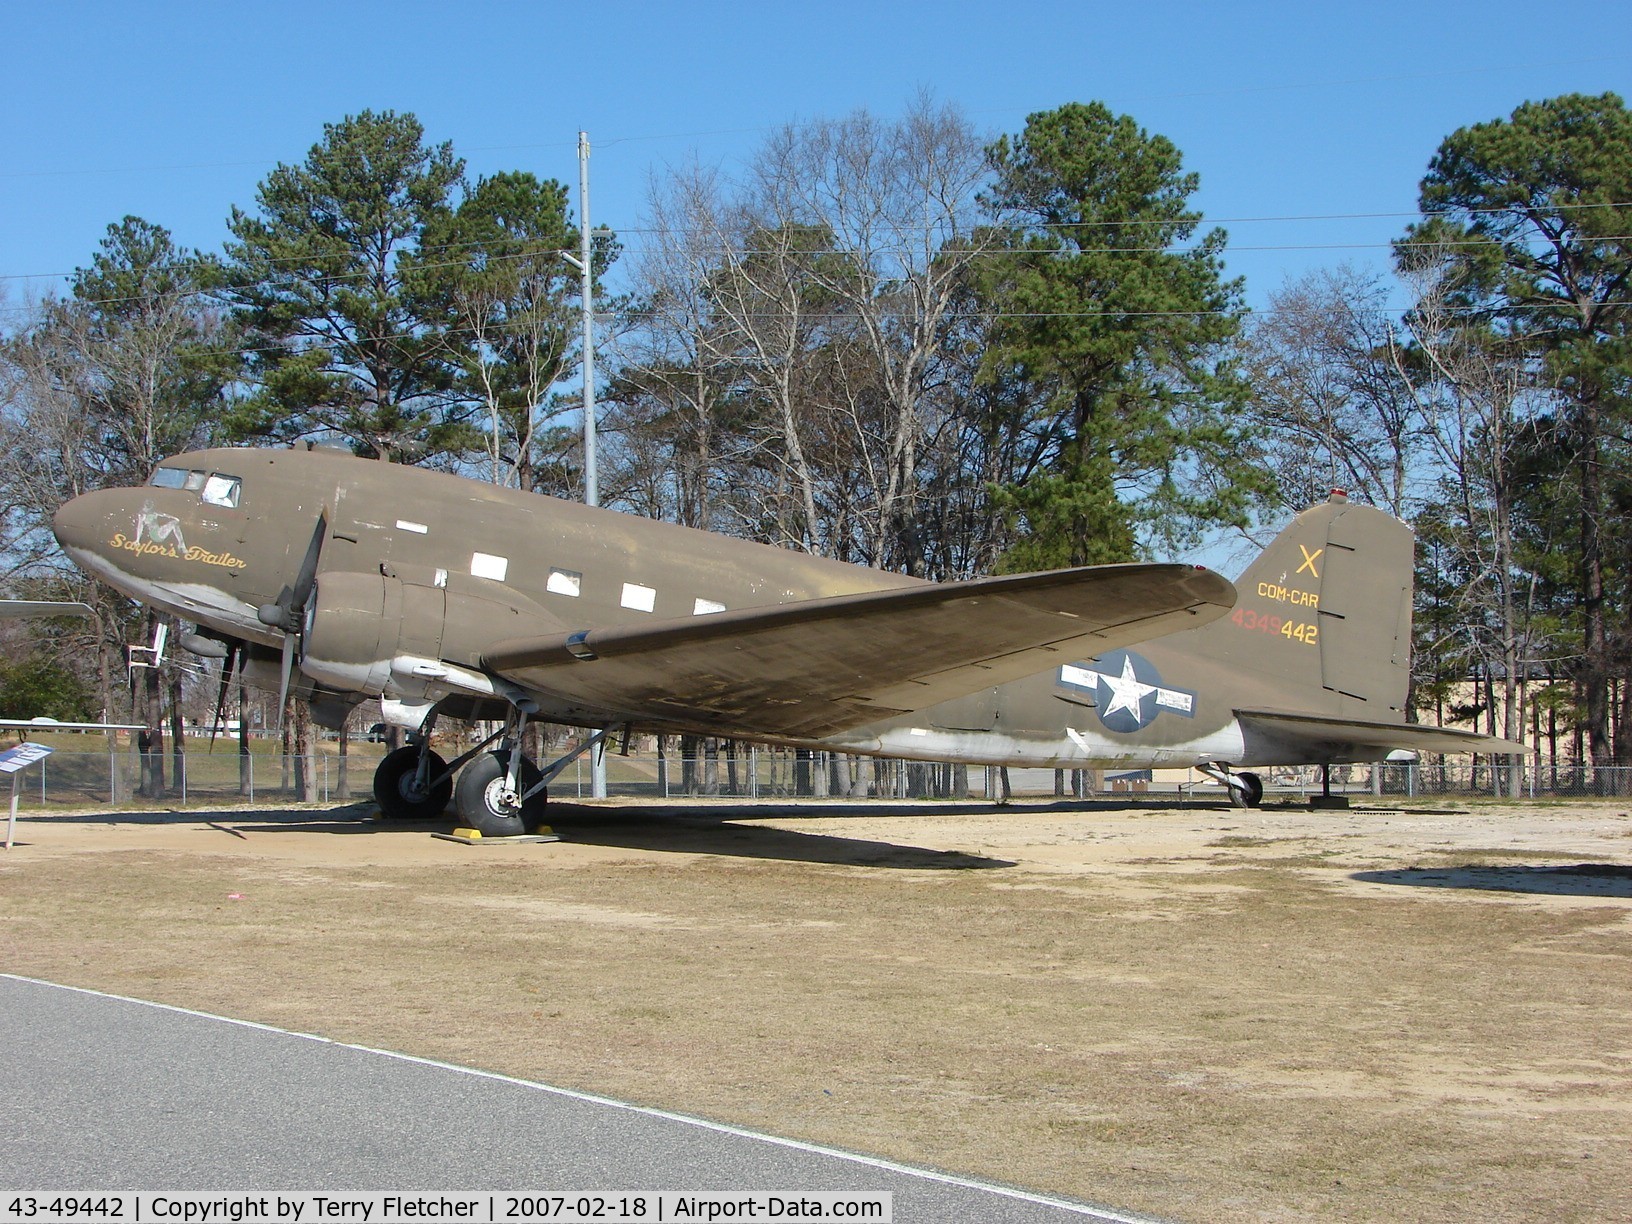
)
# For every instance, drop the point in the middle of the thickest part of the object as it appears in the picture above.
(175, 111)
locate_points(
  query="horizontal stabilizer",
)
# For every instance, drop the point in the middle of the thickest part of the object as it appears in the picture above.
(818, 666)
(1351, 739)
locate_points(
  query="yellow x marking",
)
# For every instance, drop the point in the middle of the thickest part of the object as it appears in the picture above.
(1309, 560)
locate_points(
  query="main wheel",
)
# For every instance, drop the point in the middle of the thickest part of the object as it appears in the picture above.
(1250, 793)
(486, 805)
(398, 793)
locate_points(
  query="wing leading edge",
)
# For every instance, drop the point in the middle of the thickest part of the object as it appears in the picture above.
(819, 666)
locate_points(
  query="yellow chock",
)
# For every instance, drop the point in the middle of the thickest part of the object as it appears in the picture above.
(470, 837)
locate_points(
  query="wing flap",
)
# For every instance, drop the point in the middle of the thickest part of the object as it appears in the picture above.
(818, 666)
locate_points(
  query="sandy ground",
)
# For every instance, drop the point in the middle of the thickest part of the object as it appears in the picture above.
(1195, 1012)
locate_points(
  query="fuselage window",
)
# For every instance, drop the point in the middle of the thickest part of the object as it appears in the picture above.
(222, 490)
(640, 598)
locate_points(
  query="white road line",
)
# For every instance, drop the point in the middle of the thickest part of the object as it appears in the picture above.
(947, 1179)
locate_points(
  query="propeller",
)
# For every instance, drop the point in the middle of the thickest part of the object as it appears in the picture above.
(289, 611)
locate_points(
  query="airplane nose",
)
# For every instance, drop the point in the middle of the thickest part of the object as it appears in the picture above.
(79, 523)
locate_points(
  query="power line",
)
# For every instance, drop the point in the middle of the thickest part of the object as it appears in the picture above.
(313, 343)
(1125, 223)
(995, 252)
(1202, 219)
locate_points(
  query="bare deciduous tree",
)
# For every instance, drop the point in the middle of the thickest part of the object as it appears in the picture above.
(795, 325)
(1476, 389)
(1324, 363)
(101, 385)
(898, 201)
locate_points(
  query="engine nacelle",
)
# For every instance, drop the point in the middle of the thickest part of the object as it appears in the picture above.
(377, 634)
(352, 626)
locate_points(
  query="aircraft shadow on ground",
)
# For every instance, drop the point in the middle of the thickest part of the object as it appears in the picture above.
(689, 830)
(341, 818)
(1574, 880)
(692, 831)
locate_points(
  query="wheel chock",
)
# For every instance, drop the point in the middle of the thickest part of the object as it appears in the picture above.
(470, 837)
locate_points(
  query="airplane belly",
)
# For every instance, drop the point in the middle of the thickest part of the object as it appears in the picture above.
(976, 712)
(1070, 749)
(198, 602)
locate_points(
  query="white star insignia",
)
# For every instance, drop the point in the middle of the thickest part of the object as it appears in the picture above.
(1127, 690)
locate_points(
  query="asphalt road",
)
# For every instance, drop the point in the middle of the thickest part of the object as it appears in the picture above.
(99, 1092)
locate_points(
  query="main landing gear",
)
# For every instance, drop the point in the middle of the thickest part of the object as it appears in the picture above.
(413, 783)
(499, 793)
(496, 804)
(1246, 789)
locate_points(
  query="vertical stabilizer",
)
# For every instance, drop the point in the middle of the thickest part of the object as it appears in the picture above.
(1323, 616)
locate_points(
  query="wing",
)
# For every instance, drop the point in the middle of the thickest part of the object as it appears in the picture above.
(811, 668)
(31, 609)
(50, 724)
(1315, 738)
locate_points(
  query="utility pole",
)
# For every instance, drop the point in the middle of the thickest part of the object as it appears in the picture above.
(592, 490)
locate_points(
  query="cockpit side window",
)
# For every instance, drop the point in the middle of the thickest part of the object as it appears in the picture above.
(222, 490)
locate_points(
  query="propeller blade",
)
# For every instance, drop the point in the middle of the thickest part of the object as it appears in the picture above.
(307, 577)
(292, 606)
(288, 667)
(288, 611)
(221, 694)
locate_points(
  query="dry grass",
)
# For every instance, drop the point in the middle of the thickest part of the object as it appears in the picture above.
(1099, 1005)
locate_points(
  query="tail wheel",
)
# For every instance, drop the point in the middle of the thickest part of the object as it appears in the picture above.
(486, 803)
(397, 789)
(1250, 791)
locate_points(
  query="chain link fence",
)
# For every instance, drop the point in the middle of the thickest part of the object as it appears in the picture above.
(769, 773)
(119, 778)
(89, 779)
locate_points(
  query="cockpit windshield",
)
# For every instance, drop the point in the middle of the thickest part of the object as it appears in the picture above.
(177, 478)
(215, 488)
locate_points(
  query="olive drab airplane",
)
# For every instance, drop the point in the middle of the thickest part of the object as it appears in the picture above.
(342, 579)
